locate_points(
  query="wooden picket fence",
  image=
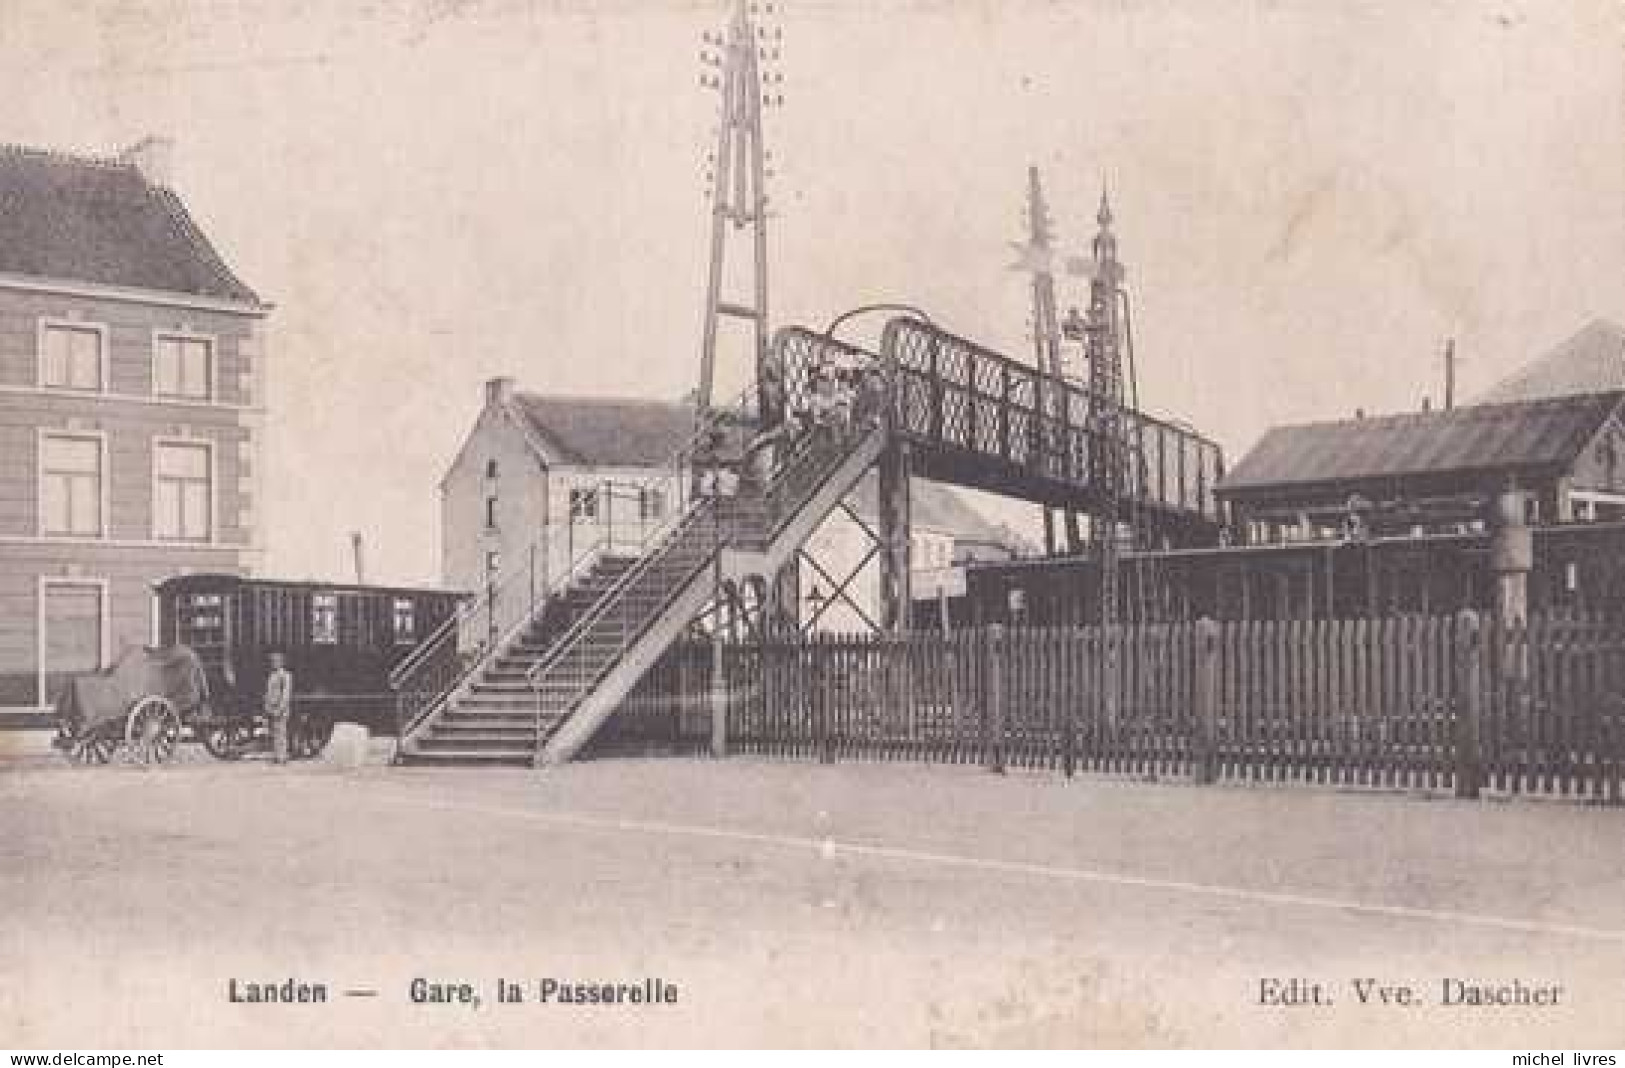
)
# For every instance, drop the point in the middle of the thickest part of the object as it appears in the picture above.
(1425, 703)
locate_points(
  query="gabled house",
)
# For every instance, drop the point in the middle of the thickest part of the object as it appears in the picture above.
(540, 478)
(1591, 361)
(131, 397)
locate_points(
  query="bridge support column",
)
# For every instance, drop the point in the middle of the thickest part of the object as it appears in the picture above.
(783, 614)
(896, 594)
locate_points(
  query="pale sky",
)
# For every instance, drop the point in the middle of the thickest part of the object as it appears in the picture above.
(1311, 196)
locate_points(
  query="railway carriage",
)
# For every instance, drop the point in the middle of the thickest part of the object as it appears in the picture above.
(340, 641)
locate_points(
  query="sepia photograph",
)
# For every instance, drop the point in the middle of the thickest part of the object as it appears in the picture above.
(785, 524)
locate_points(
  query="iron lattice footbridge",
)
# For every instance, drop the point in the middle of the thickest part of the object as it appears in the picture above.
(528, 673)
(974, 417)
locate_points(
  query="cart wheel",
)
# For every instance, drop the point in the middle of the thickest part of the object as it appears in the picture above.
(95, 749)
(153, 730)
(227, 741)
(311, 737)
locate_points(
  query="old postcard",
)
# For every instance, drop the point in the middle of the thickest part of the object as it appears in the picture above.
(717, 523)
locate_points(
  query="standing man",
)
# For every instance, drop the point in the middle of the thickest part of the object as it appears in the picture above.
(278, 705)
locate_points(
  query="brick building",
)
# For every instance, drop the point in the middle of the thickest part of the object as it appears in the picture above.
(131, 368)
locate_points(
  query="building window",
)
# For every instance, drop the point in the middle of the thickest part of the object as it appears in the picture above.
(73, 640)
(651, 504)
(182, 492)
(490, 513)
(405, 618)
(584, 503)
(71, 356)
(324, 618)
(71, 485)
(182, 367)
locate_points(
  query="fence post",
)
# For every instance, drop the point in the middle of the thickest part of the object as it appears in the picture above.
(719, 698)
(818, 653)
(994, 652)
(1469, 647)
(1207, 700)
(719, 677)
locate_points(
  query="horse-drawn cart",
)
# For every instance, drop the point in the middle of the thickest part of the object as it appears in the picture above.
(153, 699)
(145, 703)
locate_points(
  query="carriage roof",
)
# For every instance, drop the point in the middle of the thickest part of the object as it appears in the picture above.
(221, 580)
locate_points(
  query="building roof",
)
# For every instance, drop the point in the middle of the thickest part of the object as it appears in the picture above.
(607, 431)
(1519, 436)
(1592, 361)
(86, 219)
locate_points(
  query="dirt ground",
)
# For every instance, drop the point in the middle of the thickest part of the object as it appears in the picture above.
(790, 904)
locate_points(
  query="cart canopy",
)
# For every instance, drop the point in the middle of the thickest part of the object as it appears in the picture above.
(90, 700)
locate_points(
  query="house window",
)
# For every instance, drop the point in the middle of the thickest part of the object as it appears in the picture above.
(71, 356)
(71, 485)
(182, 367)
(651, 504)
(73, 614)
(405, 625)
(182, 492)
(324, 618)
(584, 503)
(490, 494)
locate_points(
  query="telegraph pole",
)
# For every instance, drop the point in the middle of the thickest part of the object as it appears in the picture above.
(737, 173)
(1037, 258)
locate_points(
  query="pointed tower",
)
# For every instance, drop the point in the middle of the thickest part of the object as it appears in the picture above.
(1104, 350)
(737, 173)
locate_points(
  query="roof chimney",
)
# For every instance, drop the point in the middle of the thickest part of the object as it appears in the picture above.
(498, 390)
(153, 156)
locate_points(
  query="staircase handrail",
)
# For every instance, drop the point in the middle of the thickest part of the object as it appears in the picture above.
(444, 639)
(676, 464)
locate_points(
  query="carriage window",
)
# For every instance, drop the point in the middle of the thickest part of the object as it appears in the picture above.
(324, 618)
(405, 622)
(651, 504)
(203, 620)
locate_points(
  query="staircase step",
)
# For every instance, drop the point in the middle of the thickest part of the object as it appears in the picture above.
(487, 721)
(487, 738)
(488, 685)
(488, 705)
(474, 742)
(471, 757)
